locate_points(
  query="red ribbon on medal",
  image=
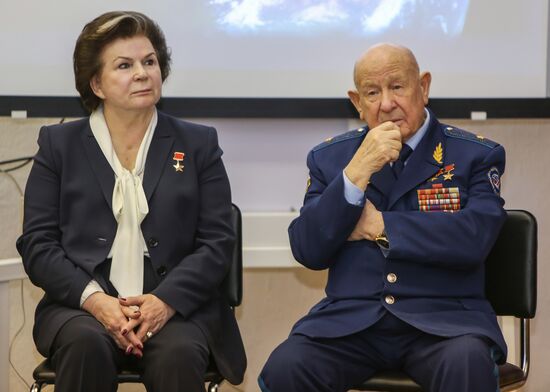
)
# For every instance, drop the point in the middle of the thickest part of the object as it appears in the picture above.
(178, 157)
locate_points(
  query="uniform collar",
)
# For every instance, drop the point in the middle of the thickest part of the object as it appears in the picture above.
(418, 135)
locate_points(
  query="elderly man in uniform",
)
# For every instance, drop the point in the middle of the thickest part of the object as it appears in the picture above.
(403, 214)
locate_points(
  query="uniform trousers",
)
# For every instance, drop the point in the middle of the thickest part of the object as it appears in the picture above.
(438, 364)
(86, 358)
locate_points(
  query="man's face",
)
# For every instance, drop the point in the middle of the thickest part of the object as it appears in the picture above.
(389, 88)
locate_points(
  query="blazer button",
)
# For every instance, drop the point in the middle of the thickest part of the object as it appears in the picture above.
(153, 243)
(161, 270)
(391, 277)
(389, 299)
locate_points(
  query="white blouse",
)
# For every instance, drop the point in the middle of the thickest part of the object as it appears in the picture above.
(129, 208)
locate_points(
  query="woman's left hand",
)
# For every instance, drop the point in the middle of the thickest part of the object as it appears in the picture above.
(155, 313)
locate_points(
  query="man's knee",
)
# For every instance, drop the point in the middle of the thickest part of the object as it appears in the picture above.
(466, 365)
(468, 351)
(285, 368)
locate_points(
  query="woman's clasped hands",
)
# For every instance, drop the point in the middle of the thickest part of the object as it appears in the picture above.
(130, 321)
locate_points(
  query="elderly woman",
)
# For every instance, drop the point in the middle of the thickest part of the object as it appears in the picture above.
(127, 226)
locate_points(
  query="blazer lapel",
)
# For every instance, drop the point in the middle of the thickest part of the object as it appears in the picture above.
(100, 166)
(158, 154)
(423, 163)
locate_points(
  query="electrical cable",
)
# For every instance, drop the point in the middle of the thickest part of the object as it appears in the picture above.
(12, 343)
(15, 160)
(24, 160)
(6, 173)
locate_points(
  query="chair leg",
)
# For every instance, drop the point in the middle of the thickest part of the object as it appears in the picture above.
(36, 387)
(213, 387)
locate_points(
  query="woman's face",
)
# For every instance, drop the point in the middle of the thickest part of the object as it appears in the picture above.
(130, 77)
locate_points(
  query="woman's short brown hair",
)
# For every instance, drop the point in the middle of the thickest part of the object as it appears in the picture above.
(99, 33)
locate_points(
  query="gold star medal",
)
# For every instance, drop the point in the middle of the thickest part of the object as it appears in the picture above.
(178, 157)
(448, 176)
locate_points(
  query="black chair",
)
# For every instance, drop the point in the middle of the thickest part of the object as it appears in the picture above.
(232, 288)
(511, 287)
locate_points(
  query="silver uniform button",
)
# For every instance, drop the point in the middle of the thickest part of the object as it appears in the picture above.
(389, 299)
(391, 277)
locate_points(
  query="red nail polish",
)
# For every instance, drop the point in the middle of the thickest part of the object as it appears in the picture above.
(140, 346)
(124, 332)
(122, 298)
(129, 349)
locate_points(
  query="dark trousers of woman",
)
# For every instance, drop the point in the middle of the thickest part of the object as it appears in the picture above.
(86, 358)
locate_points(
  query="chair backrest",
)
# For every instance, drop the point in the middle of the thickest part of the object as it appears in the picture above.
(511, 267)
(233, 282)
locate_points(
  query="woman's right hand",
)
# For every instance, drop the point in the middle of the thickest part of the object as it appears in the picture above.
(109, 312)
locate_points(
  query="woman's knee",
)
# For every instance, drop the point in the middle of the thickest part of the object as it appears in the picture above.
(184, 352)
(85, 337)
(84, 357)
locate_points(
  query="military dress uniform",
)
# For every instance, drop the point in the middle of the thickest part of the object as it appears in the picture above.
(396, 307)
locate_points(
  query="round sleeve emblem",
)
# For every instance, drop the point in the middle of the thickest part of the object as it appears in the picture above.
(494, 179)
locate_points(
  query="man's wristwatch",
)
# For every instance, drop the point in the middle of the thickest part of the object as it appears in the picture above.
(382, 240)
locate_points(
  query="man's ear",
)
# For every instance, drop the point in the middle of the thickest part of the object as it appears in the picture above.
(356, 100)
(95, 85)
(425, 82)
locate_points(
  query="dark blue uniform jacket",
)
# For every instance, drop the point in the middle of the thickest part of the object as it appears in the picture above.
(436, 257)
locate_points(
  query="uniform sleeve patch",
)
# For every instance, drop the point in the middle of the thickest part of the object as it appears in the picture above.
(494, 179)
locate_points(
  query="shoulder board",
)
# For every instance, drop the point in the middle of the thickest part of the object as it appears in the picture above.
(340, 138)
(465, 135)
